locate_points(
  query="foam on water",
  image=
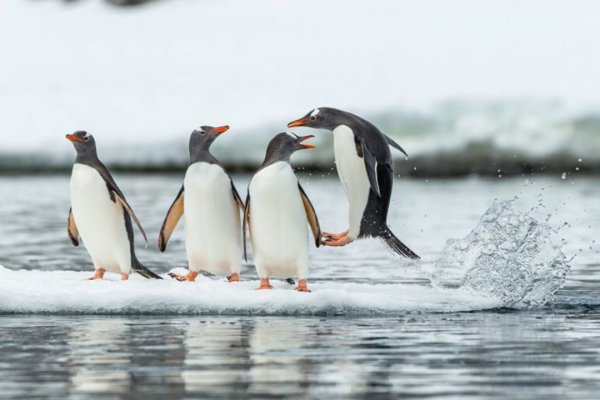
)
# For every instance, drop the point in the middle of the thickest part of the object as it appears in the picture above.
(509, 255)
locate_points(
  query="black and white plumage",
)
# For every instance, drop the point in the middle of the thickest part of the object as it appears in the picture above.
(100, 213)
(211, 208)
(276, 215)
(364, 164)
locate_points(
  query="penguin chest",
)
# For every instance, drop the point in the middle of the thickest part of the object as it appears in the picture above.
(278, 224)
(100, 221)
(212, 220)
(353, 174)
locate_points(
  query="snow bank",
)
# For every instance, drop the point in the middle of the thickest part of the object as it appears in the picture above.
(69, 292)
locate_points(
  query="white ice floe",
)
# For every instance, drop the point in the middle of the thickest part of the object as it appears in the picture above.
(57, 292)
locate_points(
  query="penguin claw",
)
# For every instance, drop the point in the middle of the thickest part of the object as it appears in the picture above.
(233, 278)
(302, 286)
(335, 236)
(338, 242)
(190, 277)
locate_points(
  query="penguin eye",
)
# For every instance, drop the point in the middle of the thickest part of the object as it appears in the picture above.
(313, 118)
(202, 133)
(86, 139)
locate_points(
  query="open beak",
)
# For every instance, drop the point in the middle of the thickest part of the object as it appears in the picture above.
(73, 138)
(307, 145)
(219, 129)
(298, 122)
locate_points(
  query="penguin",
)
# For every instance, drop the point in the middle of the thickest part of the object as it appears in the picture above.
(364, 163)
(212, 208)
(276, 215)
(100, 215)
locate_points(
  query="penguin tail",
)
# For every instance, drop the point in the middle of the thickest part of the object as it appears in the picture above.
(143, 271)
(396, 244)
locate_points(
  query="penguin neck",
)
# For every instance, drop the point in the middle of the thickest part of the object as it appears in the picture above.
(202, 155)
(90, 159)
(276, 156)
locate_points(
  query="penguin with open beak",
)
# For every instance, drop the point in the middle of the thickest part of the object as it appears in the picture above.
(212, 208)
(101, 215)
(277, 213)
(364, 164)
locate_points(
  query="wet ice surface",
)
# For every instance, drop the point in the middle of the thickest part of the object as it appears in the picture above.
(550, 352)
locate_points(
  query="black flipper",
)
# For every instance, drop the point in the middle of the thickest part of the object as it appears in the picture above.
(291, 281)
(395, 145)
(246, 224)
(371, 167)
(237, 198)
(396, 245)
(72, 229)
(311, 216)
(143, 271)
(172, 218)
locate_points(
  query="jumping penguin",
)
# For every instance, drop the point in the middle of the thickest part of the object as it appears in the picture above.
(276, 214)
(101, 215)
(364, 164)
(212, 214)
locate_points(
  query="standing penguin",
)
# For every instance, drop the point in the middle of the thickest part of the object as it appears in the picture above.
(364, 164)
(101, 215)
(212, 208)
(277, 211)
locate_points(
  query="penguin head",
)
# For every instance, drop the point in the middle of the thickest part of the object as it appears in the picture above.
(204, 136)
(320, 118)
(83, 142)
(284, 144)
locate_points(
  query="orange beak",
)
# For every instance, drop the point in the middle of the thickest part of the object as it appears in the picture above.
(220, 129)
(307, 145)
(73, 138)
(298, 122)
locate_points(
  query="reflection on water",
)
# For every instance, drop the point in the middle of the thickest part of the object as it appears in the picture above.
(469, 355)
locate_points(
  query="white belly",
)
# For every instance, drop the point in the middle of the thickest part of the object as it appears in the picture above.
(353, 174)
(100, 221)
(212, 221)
(279, 229)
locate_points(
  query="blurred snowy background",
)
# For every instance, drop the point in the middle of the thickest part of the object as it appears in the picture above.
(468, 86)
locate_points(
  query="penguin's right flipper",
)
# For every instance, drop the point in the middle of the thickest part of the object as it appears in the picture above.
(246, 224)
(72, 229)
(395, 145)
(371, 167)
(237, 198)
(311, 215)
(173, 216)
(143, 271)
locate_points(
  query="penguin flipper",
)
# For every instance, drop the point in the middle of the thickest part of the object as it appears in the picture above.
(237, 198)
(143, 271)
(311, 215)
(371, 167)
(246, 224)
(72, 229)
(173, 216)
(395, 145)
(125, 205)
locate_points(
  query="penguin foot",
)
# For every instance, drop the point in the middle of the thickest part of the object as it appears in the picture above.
(335, 236)
(98, 275)
(302, 286)
(190, 277)
(338, 242)
(233, 278)
(264, 284)
(124, 277)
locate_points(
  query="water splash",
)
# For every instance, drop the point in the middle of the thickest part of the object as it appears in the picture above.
(508, 255)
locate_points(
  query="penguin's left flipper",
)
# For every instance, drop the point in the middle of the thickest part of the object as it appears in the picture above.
(246, 224)
(118, 197)
(311, 215)
(72, 229)
(371, 167)
(172, 218)
(395, 145)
